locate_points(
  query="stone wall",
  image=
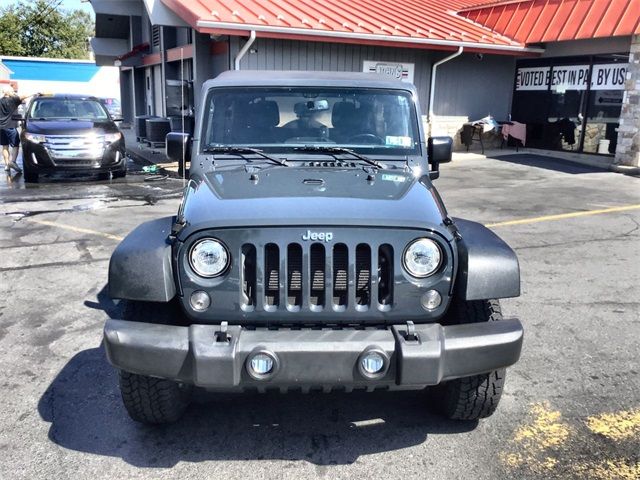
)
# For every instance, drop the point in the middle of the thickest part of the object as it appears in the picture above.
(628, 151)
(451, 126)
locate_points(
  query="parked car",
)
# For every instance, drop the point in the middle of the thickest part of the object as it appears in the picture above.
(70, 133)
(311, 251)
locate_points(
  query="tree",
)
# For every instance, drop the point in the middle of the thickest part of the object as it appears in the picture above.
(41, 28)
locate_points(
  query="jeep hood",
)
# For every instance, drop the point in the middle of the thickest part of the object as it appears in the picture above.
(306, 196)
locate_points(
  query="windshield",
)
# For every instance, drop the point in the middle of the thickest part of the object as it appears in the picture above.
(67, 109)
(369, 121)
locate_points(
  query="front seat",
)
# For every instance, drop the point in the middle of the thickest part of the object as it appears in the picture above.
(344, 119)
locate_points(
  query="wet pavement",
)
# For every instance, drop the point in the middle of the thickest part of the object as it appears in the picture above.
(571, 407)
(137, 185)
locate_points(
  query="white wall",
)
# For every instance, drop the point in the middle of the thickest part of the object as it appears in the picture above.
(106, 83)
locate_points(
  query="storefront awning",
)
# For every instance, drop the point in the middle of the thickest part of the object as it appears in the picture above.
(538, 21)
(418, 24)
(107, 50)
(116, 7)
(160, 14)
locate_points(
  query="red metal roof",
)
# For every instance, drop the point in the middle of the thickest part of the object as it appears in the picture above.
(537, 21)
(414, 23)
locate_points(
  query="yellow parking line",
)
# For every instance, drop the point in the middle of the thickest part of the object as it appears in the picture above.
(522, 221)
(562, 216)
(75, 229)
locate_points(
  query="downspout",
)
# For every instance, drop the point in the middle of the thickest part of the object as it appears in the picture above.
(432, 91)
(244, 50)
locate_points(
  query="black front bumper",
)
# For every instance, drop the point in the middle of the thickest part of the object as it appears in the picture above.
(308, 358)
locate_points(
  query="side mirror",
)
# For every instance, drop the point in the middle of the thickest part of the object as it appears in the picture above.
(179, 148)
(17, 117)
(439, 150)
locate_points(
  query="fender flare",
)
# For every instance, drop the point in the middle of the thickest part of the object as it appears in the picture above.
(488, 267)
(140, 267)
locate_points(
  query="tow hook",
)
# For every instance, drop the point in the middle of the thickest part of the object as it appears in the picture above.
(410, 334)
(221, 335)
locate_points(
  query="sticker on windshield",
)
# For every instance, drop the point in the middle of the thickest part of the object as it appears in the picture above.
(388, 177)
(398, 141)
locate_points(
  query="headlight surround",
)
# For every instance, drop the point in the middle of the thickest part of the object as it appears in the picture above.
(112, 137)
(35, 138)
(209, 257)
(422, 257)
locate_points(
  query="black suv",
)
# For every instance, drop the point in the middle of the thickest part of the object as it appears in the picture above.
(311, 251)
(71, 133)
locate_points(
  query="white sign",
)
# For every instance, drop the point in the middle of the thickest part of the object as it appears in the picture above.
(535, 78)
(609, 76)
(397, 71)
(569, 77)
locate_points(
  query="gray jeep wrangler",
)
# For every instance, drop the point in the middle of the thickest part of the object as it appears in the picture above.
(311, 251)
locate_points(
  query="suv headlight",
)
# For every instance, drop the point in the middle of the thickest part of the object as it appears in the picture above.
(32, 137)
(422, 257)
(209, 257)
(112, 137)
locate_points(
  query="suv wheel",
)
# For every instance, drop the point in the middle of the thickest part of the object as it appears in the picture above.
(120, 173)
(30, 176)
(471, 398)
(153, 400)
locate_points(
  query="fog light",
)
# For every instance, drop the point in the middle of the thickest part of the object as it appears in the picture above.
(431, 300)
(372, 363)
(200, 301)
(261, 364)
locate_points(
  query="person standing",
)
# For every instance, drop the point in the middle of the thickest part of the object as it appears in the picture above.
(9, 139)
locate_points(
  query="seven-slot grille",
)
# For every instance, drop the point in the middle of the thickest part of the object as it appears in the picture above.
(75, 146)
(316, 277)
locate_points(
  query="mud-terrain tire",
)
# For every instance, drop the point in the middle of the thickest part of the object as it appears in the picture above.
(148, 399)
(471, 398)
(153, 400)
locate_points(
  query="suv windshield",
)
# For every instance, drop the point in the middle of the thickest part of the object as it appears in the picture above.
(369, 121)
(67, 109)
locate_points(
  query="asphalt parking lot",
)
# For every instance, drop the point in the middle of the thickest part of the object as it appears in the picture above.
(571, 407)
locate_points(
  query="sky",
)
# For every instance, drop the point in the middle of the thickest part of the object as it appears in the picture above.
(66, 4)
(77, 5)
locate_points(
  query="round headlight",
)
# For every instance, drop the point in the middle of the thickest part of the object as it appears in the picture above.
(209, 258)
(422, 257)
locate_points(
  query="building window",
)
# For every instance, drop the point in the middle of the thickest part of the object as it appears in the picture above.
(571, 103)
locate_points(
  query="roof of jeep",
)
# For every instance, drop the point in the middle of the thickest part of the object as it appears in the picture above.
(255, 78)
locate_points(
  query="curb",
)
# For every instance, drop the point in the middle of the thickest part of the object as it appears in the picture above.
(626, 170)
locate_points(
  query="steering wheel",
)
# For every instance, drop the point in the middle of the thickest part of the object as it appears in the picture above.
(366, 138)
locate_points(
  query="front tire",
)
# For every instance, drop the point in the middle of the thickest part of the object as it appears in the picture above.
(152, 400)
(475, 397)
(147, 399)
(120, 173)
(30, 176)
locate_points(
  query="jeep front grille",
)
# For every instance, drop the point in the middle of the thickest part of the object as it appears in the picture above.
(315, 277)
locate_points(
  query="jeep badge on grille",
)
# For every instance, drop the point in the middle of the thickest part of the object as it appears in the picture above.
(321, 236)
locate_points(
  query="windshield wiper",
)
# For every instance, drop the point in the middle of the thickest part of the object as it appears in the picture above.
(240, 151)
(333, 150)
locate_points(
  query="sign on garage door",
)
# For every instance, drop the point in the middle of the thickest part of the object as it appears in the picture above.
(395, 70)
